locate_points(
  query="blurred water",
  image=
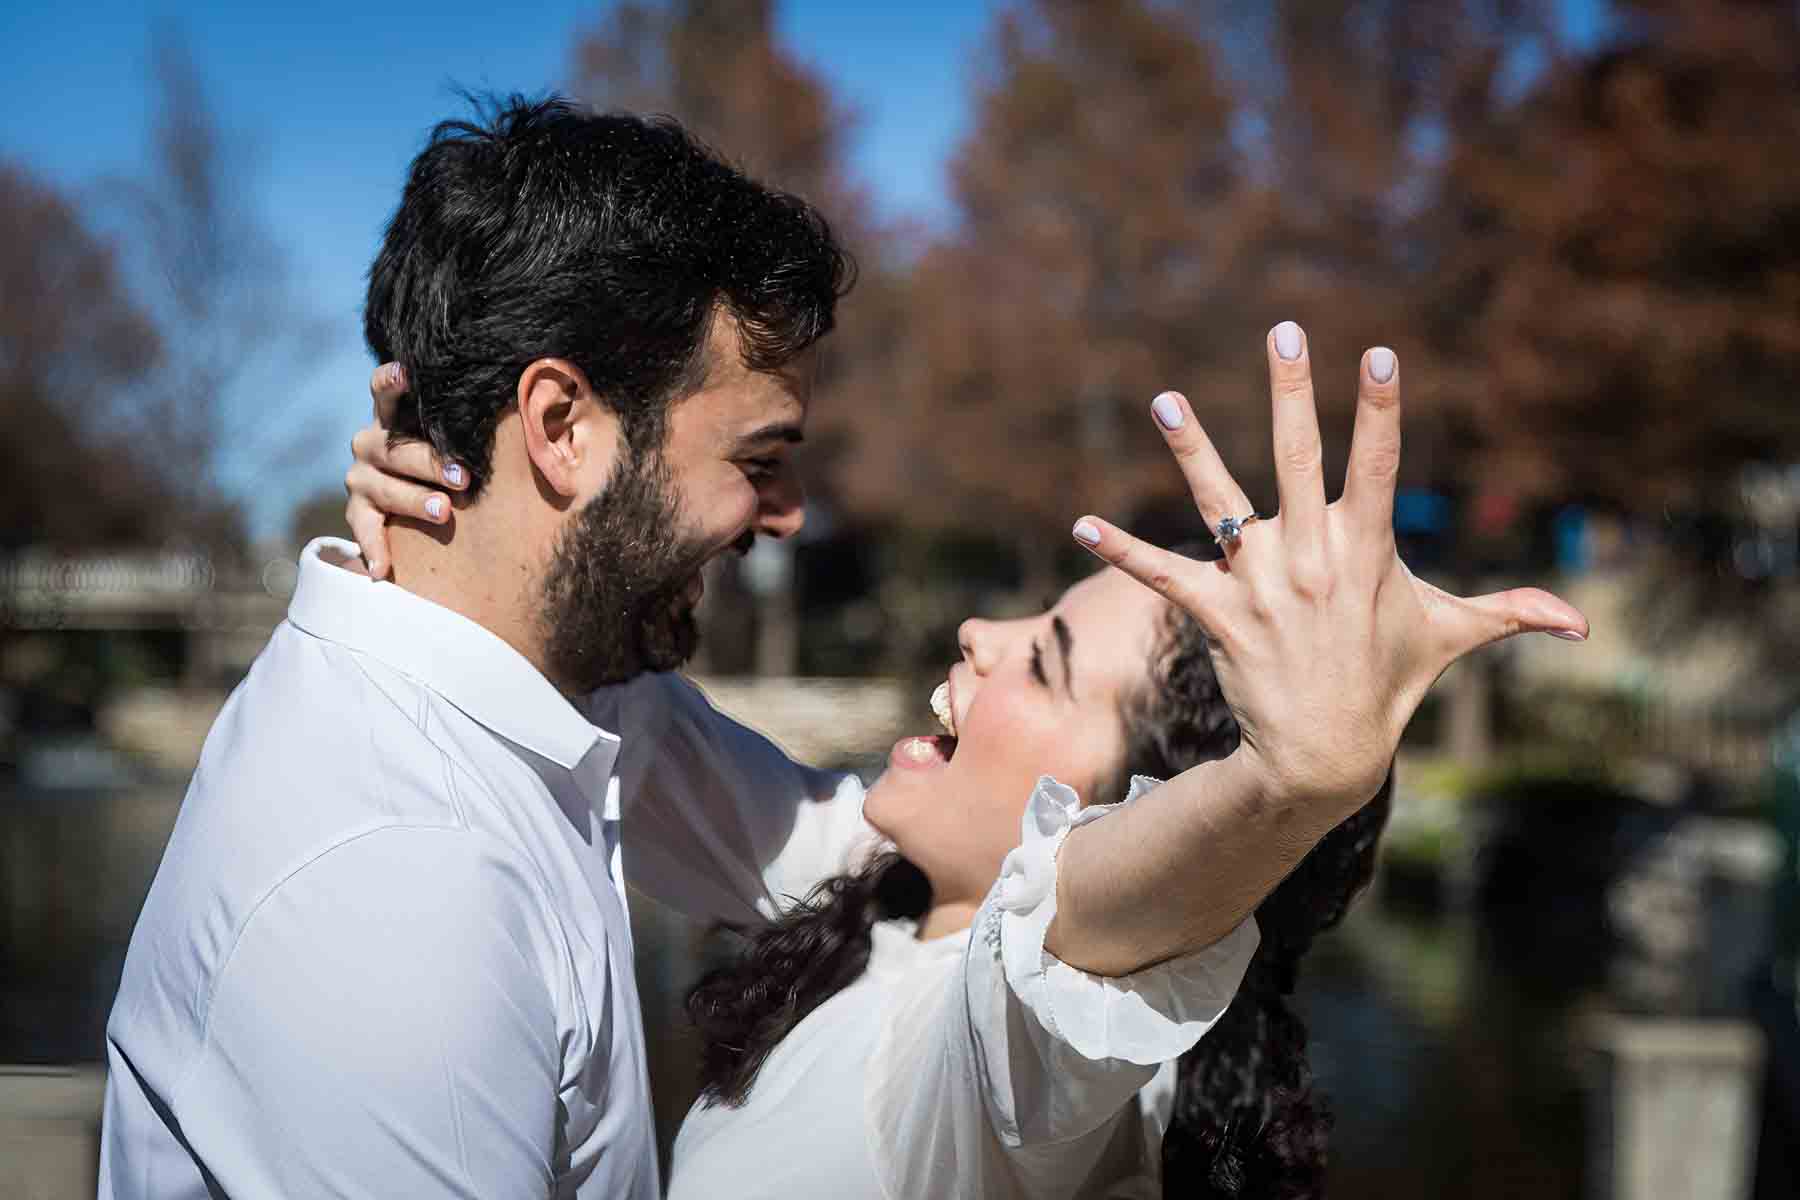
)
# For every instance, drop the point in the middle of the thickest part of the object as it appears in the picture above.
(75, 866)
(1447, 1072)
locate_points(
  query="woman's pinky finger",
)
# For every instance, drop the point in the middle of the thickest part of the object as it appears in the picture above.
(1181, 581)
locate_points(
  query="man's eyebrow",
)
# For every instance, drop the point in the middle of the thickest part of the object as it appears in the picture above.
(776, 431)
(1065, 640)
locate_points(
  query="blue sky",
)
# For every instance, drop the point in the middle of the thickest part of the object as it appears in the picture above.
(335, 98)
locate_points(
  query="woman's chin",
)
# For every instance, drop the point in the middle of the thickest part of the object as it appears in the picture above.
(907, 791)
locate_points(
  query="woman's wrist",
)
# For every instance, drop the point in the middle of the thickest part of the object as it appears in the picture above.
(1313, 795)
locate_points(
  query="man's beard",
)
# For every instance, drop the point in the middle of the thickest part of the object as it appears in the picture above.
(614, 598)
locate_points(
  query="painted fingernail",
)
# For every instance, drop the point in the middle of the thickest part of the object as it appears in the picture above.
(1381, 364)
(1287, 340)
(1567, 635)
(1087, 532)
(453, 475)
(434, 508)
(1168, 411)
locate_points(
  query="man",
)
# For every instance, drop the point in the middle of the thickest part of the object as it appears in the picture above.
(386, 953)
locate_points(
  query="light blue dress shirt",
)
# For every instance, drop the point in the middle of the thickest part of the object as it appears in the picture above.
(387, 952)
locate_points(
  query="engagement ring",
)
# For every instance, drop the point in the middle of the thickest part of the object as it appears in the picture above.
(1231, 528)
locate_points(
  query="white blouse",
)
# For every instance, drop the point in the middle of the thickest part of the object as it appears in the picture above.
(973, 1065)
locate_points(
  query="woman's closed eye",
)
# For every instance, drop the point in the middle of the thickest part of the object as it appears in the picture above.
(1065, 643)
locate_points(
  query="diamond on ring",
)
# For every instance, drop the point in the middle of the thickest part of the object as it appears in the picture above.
(1231, 528)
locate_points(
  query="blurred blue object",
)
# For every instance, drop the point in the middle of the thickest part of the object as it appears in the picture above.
(1569, 530)
(1421, 513)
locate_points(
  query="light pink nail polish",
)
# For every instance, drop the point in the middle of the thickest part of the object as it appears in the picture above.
(1168, 411)
(1287, 340)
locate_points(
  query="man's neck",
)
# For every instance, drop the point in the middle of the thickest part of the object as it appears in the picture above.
(492, 586)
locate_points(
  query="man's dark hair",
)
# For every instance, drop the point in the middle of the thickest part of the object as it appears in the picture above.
(543, 229)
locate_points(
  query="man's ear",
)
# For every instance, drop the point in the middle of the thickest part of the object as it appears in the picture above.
(572, 438)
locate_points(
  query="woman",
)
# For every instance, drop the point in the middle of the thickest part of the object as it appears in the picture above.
(801, 1015)
(1065, 954)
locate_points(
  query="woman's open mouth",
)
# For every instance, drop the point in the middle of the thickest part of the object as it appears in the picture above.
(922, 753)
(930, 750)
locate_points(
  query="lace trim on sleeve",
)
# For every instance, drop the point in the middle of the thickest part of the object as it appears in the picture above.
(1147, 1017)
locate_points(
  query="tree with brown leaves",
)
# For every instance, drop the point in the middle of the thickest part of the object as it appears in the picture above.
(1624, 267)
(73, 345)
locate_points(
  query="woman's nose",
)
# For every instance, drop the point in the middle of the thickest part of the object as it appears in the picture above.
(976, 638)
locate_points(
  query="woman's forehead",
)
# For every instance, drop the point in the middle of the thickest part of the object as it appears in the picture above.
(1113, 622)
(1111, 590)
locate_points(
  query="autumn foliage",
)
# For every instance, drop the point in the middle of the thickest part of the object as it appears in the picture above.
(1586, 250)
(1586, 254)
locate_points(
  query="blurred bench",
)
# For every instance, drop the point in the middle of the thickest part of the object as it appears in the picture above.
(50, 1132)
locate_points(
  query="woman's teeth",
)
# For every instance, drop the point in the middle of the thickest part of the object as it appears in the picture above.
(940, 705)
(920, 750)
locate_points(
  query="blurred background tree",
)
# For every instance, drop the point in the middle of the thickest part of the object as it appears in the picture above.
(72, 342)
(1621, 273)
(215, 278)
(1103, 222)
(136, 319)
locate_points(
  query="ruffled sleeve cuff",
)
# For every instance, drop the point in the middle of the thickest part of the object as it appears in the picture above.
(1145, 1018)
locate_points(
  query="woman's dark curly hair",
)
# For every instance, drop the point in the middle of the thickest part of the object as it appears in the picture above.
(1246, 1122)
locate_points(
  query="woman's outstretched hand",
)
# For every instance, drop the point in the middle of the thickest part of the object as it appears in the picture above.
(385, 481)
(1323, 641)
(1324, 644)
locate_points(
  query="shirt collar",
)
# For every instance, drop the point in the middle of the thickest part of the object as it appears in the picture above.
(895, 946)
(463, 662)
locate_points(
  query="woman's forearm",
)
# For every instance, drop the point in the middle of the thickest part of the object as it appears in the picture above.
(1180, 868)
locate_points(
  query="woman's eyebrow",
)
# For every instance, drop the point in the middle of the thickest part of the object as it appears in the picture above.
(1064, 642)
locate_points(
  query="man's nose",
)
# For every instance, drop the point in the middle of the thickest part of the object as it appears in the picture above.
(781, 507)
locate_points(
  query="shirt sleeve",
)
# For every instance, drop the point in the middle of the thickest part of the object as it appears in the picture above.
(1043, 1060)
(719, 823)
(386, 1025)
